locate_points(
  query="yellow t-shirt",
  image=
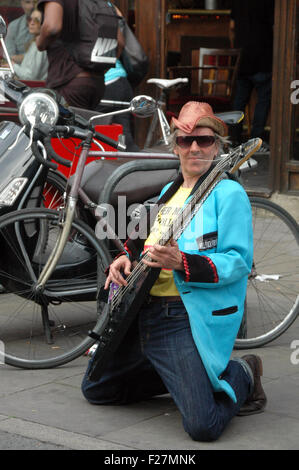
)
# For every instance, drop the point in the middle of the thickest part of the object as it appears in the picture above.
(165, 285)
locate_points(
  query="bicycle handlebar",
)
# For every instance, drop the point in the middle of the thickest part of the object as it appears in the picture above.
(40, 159)
(16, 91)
(53, 155)
(107, 140)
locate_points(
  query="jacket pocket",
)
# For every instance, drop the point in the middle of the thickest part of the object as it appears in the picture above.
(225, 311)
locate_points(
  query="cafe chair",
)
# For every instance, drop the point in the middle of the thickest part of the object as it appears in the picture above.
(212, 77)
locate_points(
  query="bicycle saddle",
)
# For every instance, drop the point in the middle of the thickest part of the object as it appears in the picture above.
(137, 186)
(165, 83)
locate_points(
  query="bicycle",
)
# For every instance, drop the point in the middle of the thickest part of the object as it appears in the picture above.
(159, 130)
(159, 125)
(42, 325)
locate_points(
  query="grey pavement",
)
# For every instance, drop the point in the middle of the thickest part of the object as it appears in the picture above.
(44, 410)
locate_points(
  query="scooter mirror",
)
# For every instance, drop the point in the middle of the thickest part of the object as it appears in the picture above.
(143, 106)
(3, 28)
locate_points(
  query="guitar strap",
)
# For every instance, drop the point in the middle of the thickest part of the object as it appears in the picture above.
(135, 244)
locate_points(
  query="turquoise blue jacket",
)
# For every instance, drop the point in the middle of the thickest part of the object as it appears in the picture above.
(217, 249)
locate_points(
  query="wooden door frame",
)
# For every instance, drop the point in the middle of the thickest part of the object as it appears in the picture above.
(282, 118)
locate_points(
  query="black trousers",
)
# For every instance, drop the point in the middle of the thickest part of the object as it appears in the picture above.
(83, 92)
(121, 90)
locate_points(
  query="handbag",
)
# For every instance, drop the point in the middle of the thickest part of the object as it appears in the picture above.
(133, 57)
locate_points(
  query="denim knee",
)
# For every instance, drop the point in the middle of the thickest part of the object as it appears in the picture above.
(204, 427)
(204, 433)
(102, 394)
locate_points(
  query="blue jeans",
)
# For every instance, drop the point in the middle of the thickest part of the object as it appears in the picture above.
(262, 82)
(159, 356)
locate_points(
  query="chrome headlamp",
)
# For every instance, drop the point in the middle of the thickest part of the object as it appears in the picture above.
(38, 108)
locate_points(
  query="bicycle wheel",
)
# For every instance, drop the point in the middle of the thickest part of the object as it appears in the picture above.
(54, 189)
(48, 328)
(53, 196)
(272, 301)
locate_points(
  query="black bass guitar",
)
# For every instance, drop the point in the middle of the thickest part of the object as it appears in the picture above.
(121, 305)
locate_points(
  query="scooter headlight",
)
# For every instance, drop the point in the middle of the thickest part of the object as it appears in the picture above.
(38, 108)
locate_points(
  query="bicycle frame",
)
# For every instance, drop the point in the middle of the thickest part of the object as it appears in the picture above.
(68, 212)
(69, 217)
(159, 116)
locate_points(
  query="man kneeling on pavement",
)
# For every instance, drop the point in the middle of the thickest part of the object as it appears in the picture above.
(183, 336)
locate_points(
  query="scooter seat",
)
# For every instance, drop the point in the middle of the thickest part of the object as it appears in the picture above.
(137, 186)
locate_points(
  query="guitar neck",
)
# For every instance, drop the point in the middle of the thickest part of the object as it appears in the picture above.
(186, 213)
(236, 158)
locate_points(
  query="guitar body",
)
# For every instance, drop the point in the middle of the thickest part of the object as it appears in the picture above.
(115, 321)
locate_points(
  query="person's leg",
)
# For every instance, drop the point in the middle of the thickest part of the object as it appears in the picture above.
(168, 343)
(83, 92)
(263, 85)
(121, 90)
(129, 376)
(244, 87)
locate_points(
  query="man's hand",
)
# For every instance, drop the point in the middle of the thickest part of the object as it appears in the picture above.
(167, 257)
(120, 264)
(17, 59)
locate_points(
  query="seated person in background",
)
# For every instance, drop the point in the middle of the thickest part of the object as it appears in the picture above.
(18, 34)
(34, 65)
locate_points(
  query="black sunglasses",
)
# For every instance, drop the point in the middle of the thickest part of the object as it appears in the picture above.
(201, 140)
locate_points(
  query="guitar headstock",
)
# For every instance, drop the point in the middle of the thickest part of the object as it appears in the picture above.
(240, 154)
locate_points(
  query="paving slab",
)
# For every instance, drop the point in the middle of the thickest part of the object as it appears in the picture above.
(47, 408)
(10, 441)
(70, 411)
(40, 435)
(13, 380)
(243, 433)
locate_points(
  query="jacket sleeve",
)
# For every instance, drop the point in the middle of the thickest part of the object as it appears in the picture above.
(232, 259)
(9, 40)
(34, 65)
